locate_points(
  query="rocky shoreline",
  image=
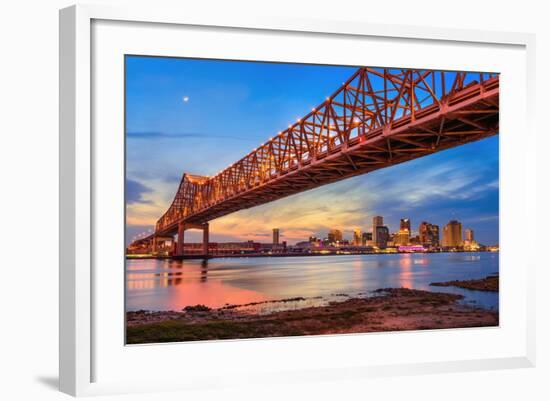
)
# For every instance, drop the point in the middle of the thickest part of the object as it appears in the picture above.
(489, 283)
(390, 309)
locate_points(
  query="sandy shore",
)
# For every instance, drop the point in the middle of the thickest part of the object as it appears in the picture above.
(392, 309)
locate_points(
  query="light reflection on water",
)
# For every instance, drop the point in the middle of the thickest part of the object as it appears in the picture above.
(172, 285)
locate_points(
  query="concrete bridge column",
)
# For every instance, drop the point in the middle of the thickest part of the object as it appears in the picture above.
(181, 242)
(154, 245)
(205, 238)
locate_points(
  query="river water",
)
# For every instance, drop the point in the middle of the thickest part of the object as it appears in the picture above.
(171, 285)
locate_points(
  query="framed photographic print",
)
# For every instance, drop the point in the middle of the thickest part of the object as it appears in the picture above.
(243, 194)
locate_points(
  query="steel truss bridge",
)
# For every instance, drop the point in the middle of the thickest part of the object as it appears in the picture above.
(378, 118)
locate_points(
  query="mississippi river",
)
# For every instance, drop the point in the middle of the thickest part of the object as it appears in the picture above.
(161, 285)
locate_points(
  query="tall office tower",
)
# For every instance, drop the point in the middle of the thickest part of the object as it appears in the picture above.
(405, 225)
(428, 234)
(423, 232)
(334, 236)
(357, 237)
(402, 237)
(468, 235)
(275, 236)
(377, 221)
(382, 235)
(433, 235)
(452, 234)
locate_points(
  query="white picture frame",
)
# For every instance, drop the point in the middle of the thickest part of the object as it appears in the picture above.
(80, 316)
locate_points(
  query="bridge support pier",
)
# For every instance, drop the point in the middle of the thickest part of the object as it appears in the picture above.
(181, 242)
(154, 246)
(180, 245)
(161, 245)
(205, 238)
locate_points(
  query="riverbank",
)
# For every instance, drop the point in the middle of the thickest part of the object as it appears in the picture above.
(489, 283)
(391, 309)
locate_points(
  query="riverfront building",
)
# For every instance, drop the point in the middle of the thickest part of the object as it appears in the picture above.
(357, 237)
(275, 236)
(335, 236)
(382, 236)
(452, 234)
(401, 238)
(377, 221)
(366, 239)
(428, 234)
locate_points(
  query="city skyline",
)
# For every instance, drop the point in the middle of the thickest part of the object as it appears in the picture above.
(336, 234)
(163, 137)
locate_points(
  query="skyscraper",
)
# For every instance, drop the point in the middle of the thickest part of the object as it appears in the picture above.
(402, 237)
(405, 224)
(469, 241)
(452, 234)
(428, 234)
(275, 236)
(377, 221)
(382, 235)
(357, 237)
(334, 236)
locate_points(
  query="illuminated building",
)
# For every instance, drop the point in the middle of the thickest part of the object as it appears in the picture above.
(377, 221)
(314, 241)
(382, 235)
(429, 234)
(469, 243)
(468, 235)
(411, 248)
(366, 239)
(334, 236)
(225, 248)
(275, 236)
(401, 237)
(357, 237)
(452, 234)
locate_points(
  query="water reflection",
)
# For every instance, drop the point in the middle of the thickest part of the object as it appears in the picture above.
(204, 270)
(172, 285)
(405, 262)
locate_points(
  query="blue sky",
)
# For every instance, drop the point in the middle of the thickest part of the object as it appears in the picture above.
(198, 116)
